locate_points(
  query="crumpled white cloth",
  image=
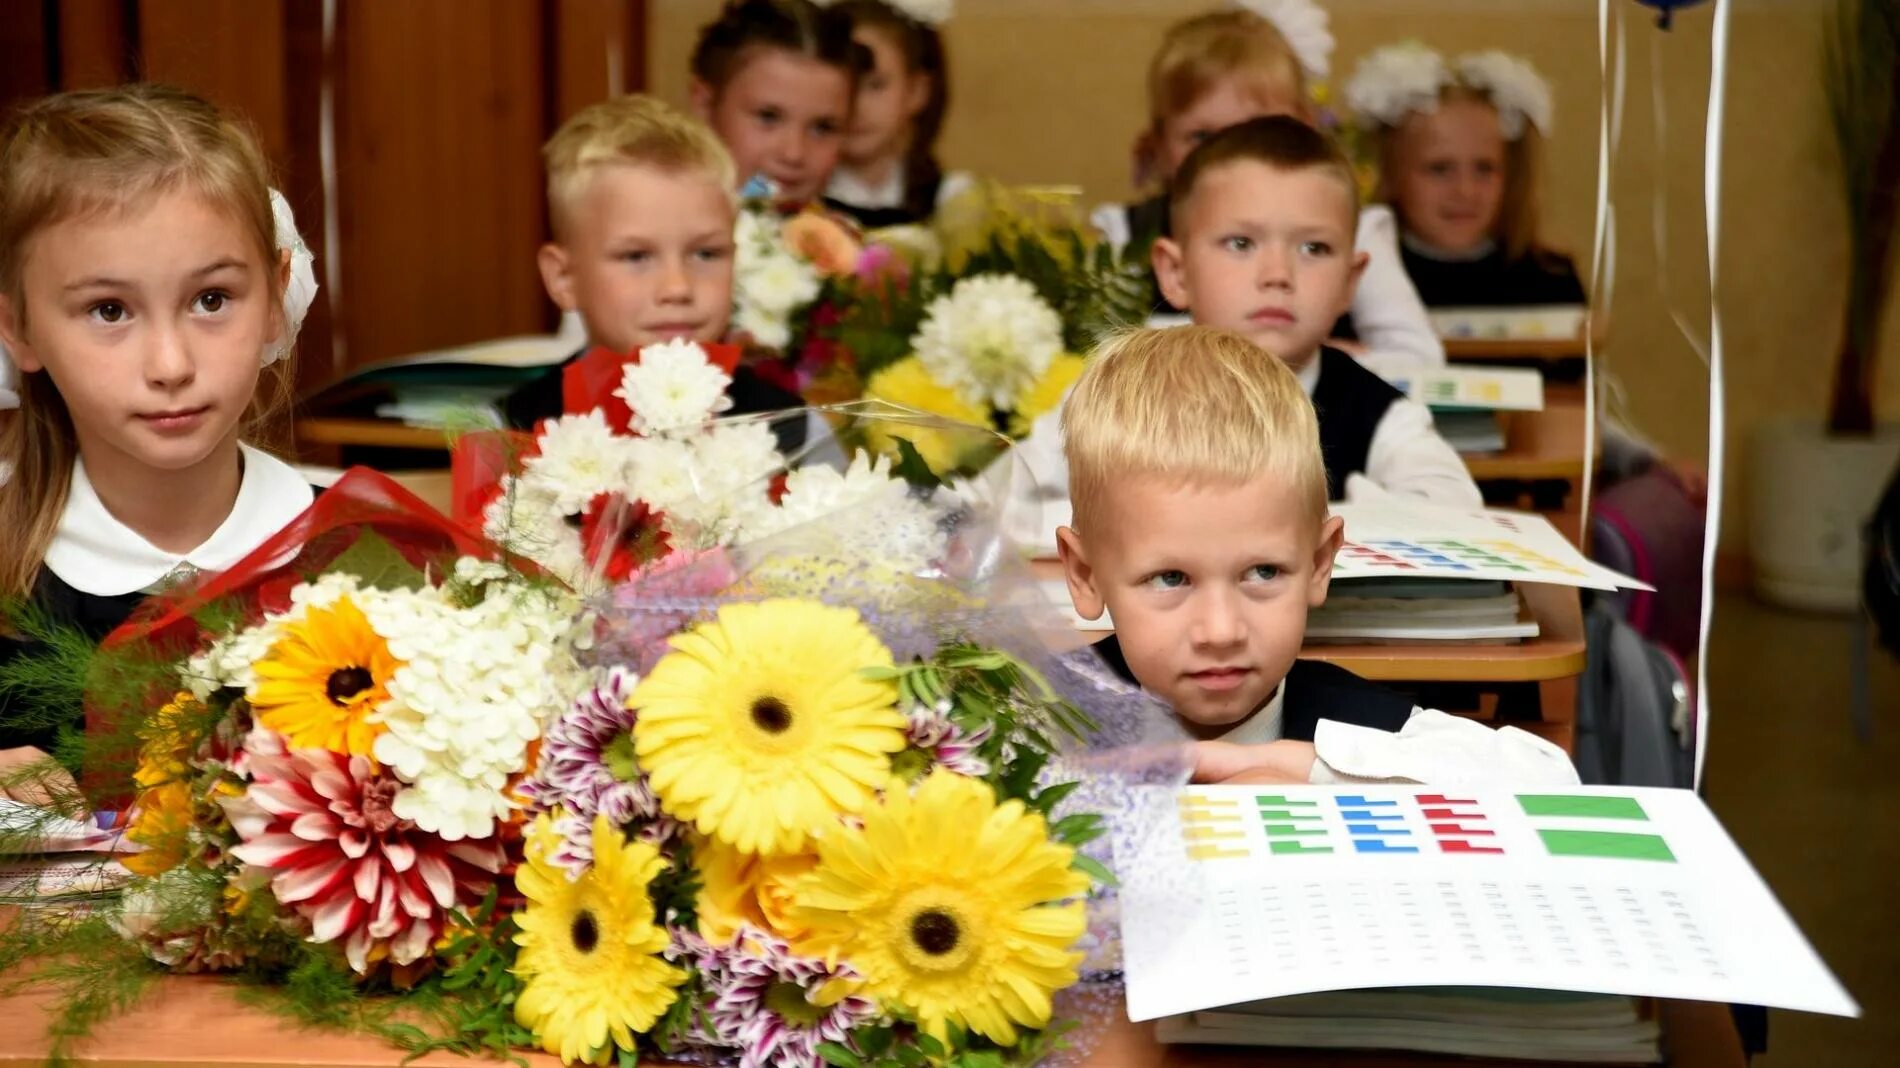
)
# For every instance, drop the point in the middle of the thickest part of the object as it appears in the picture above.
(299, 294)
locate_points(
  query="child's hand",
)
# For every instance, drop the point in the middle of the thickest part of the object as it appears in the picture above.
(1273, 764)
(44, 787)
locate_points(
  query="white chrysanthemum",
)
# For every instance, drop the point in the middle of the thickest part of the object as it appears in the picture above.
(477, 686)
(769, 281)
(1303, 24)
(818, 490)
(989, 339)
(1396, 81)
(580, 458)
(673, 386)
(1516, 89)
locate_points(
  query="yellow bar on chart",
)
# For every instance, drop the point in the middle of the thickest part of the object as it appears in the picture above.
(1209, 834)
(1214, 852)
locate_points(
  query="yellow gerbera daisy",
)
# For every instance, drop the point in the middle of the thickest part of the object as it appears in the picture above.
(1043, 397)
(162, 824)
(321, 682)
(740, 888)
(906, 383)
(760, 728)
(590, 947)
(948, 903)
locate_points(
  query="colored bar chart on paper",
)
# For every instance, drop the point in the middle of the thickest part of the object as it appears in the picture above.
(1213, 828)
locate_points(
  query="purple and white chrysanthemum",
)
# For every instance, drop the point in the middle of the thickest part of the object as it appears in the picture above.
(765, 1001)
(587, 766)
(931, 730)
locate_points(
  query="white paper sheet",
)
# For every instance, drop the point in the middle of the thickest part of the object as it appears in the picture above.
(1395, 537)
(1268, 891)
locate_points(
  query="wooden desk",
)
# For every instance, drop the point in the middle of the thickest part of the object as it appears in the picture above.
(1541, 348)
(336, 432)
(200, 1021)
(1538, 446)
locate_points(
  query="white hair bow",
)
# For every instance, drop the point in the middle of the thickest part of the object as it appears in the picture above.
(1304, 25)
(298, 296)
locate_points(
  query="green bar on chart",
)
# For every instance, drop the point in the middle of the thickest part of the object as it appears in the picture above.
(1615, 845)
(1288, 830)
(1277, 801)
(1298, 847)
(1582, 806)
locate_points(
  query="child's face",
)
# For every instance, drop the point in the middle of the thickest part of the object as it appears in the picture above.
(647, 257)
(890, 98)
(1228, 102)
(1265, 253)
(151, 321)
(1208, 586)
(1449, 174)
(782, 115)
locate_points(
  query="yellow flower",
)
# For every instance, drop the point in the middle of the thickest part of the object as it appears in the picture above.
(738, 888)
(323, 680)
(1043, 397)
(162, 824)
(907, 384)
(759, 728)
(947, 902)
(167, 741)
(590, 947)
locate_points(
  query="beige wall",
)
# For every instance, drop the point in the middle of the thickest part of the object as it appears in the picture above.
(1051, 91)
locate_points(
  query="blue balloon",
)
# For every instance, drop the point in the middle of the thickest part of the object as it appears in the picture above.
(1666, 9)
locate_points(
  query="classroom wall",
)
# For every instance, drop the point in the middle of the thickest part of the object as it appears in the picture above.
(1050, 91)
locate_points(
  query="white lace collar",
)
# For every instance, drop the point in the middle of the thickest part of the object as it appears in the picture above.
(847, 188)
(96, 554)
(1418, 246)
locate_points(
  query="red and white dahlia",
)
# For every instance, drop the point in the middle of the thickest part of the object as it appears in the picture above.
(321, 822)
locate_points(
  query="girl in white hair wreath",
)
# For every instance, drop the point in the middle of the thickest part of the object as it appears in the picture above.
(1460, 148)
(151, 287)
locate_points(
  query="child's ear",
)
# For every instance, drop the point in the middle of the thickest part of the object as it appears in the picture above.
(15, 339)
(1171, 271)
(555, 275)
(699, 95)
(1358, 271)
(1332, 534)
(1079, 574)
(922, 88)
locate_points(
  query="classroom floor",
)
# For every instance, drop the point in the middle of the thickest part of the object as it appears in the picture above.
(1816, 809)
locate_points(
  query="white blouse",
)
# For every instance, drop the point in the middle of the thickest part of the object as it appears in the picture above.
(96, 554)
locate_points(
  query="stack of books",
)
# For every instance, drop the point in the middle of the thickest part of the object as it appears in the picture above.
(1496, 1022)
(1466, 401)
(1384, 610)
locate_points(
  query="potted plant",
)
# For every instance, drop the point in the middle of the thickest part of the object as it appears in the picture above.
(1814, 486)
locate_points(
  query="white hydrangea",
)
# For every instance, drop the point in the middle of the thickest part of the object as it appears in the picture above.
(477, 687)
(1396, 81)
(1304, 25)
(1516, 89)
(580, 458)
(673, 386)
(990, 338)
(770, 282)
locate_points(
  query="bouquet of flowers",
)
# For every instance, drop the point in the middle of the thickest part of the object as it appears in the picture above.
(985, 325)
(641, 468)
(764, 800)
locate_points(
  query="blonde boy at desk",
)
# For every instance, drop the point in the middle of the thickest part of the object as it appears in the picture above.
(1201, 527)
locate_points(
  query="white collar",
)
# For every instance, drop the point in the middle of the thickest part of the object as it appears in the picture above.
(1309, 375)
(96, 554)
(847, 188)
(1263, 726)
(1418, 246)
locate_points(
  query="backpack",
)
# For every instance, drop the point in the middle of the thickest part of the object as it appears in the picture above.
(1650, 527)
(1635, 708)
